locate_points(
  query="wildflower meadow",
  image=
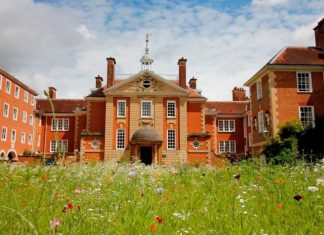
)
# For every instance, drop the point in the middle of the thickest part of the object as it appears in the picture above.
(106, 198)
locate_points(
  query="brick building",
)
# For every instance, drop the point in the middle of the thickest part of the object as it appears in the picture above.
(17, 119)
(290, 86)
(146, 117)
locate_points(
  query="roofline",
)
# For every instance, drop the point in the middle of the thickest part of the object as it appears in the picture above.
(15, 80)
(268, 67)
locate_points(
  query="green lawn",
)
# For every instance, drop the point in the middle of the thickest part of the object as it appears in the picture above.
(135, 199)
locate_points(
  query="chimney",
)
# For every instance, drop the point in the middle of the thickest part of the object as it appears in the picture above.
(193, 83)
(182, 72)
(238, 94)
(319, 34)
(98, 81)
(52, 92)
(110, 71)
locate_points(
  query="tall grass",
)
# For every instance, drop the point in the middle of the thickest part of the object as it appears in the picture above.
(135, 199)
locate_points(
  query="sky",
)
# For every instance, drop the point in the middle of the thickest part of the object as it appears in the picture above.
(65, 43)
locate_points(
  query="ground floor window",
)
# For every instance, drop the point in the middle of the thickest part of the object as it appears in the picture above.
(59, 145)
(306, 115)
(171, 139)
(227, 146)
(120, 139)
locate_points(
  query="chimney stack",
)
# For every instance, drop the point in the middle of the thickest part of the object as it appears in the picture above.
(193, 83)
(98, 81)
(52, 92)
(110, 71)
(182, 72)
(319, 34)
(238, 94)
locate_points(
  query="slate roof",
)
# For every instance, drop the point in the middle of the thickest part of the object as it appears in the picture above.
(19, 83)
(228, 107)
(299, 56)
(60, 105)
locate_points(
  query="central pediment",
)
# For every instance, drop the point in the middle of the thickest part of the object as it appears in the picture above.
(147, 83)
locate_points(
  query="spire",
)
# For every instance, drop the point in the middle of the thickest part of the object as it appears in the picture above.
(146, 60)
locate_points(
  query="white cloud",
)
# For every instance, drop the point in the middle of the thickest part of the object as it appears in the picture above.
(66, 45)
(270, 2)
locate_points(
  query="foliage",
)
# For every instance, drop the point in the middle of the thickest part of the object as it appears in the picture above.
(247, 198)
(27, 153)
(292, 128)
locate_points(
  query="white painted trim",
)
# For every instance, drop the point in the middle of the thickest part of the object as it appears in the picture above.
(120, 102)
(151, 109)
(123, 129)
(14, 151)
(175, 139)
(175, 108)
(310, 82)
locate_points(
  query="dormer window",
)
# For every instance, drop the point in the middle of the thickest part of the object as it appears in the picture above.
(304, 82)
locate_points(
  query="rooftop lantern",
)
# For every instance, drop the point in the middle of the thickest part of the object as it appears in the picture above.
(146, 60)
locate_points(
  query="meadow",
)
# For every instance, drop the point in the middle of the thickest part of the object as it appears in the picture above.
(106, 198)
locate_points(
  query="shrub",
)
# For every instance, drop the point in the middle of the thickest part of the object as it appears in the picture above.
(278, 151)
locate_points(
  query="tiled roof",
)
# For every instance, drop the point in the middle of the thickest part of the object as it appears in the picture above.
(60, 105)
(228, 107)
(19, 83)
(299, 56)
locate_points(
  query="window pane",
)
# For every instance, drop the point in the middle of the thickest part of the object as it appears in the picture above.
(171, 107)
(120, 139)
(171, 139)
(146, 109)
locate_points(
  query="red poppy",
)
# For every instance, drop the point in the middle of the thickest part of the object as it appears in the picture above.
(153, 228)
(70, 206)
(44, 178)
(159, 219)
(279, 206)
(298, 197)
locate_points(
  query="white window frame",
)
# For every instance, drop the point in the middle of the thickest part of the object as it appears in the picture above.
(6, 111)
(26, 94)
(1, 78)
(31, 119)
(15, 114)
(121, 104)
(38, 140)
(32, 100)
(259, 91)
(17, 91)
(312, 122)
(120, 138)
(23, 138)
(250, 139)
(227, 146)
(260, 122)
(171, 142)
(225, 125)
(151, 109)
(13, 136)
(24, 117)
(54, 144)
(8, 88)
(171, 109)
(60, 124)
(309, 82)
(30, 139)
(4, 133)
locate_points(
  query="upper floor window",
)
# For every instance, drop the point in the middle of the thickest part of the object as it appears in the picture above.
(120, 139)
(306, 115)
(304, 82)
(59, 146)
(6, 110)
(4, 133)
(60, 124)
(15, 114)
(121, 108)
(24, 119)
(26, 96)
(226, 125)
(261, 122)
(13, 136)
(171, 109)
(8, 86)
(171, 141)
(31, 119)
(23, 137)
(17, 91)
(146, 108)
(259, 89)
(227, 146)
(32, 102)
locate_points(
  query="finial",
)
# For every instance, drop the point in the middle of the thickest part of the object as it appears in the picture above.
(146, 48)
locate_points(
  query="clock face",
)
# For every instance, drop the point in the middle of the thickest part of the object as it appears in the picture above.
(95, 144)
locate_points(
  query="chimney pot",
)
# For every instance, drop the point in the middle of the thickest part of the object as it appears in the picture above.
(238, 94)
(52, 92)
(182, 72)
(110, 71)
(193, 83)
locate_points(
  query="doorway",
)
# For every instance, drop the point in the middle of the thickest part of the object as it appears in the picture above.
(146, 155)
